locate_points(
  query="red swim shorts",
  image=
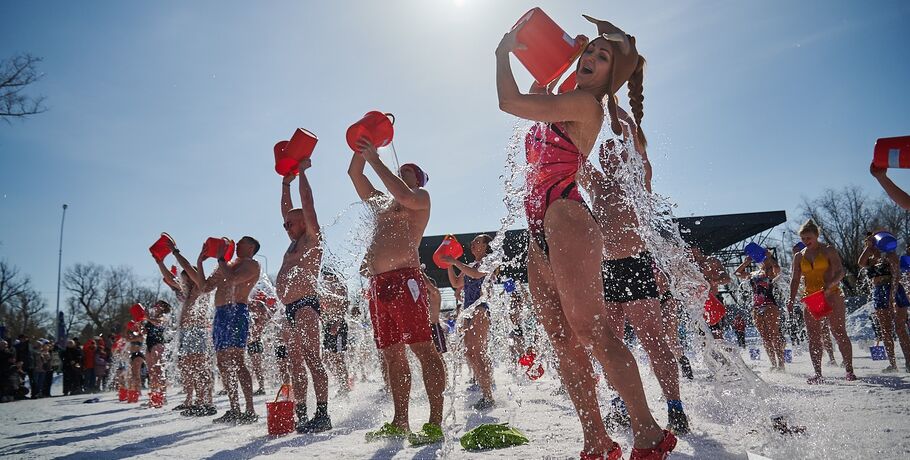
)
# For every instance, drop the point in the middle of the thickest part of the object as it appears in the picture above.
(399, 308)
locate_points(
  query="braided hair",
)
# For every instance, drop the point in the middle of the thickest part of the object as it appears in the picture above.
(637, 98)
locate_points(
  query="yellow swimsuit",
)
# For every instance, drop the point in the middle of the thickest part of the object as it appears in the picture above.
(814, 272)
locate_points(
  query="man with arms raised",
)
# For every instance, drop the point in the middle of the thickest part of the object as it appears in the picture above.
(296, 286)
(232, 282)
(399, 306)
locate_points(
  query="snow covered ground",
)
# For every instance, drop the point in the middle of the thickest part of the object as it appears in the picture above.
(868, 418)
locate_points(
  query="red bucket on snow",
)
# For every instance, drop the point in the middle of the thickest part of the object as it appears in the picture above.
(160, 249)
(156, 399)
(280, 414)
(449, 247)
(714, 310)
(213, 245)
(550, 50)
(132, 396)
(817, 305)
(892, 152)
(122, 394)
(288, 154)
(376, 126)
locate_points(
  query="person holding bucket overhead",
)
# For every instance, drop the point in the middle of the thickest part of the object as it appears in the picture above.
(820, 267)
(477, 322)
(296, 286)
(232, 282)
(399, 303)
(566, 247)
(889, 297)
(765, 309)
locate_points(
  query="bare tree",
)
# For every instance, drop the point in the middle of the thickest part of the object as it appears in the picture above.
(102, 296)
(16, 74)
(27, 313)
(11, 284)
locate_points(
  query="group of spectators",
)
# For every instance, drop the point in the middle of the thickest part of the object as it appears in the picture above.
(28, 366)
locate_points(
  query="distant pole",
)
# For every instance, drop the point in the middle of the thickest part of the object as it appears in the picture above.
(60, 269)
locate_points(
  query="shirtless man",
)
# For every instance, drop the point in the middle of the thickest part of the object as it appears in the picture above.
(335, 328)
(193, 348)
(296, 286)
(232, 282)
(399, 306)
(630, 287)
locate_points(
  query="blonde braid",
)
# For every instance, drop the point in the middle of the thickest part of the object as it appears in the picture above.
(637, 97)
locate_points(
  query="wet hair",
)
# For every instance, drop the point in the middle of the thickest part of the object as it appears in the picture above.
(637, 98)
(808, 227)
(254, 241)
(488, 240)
(163, 306)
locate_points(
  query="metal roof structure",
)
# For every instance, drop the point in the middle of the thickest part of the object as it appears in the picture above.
(711, 234)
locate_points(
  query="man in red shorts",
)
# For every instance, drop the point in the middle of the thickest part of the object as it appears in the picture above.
(399, 306)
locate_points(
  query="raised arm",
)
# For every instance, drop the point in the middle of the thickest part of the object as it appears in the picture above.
(362, 185)
(900, 197)
(306, 202)
(457, 281)
(188, 268)
(465, 268)
(411, 199)
(286, 203)
(167, 276)
(741, 271)
(571, 106)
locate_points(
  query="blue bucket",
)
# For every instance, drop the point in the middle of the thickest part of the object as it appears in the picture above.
(788, 355)
(509, 285)
(754, 354)
(878, 353)
(756, 252)
(885, 242)
(905, 263)
(799, 247)
(451, 324)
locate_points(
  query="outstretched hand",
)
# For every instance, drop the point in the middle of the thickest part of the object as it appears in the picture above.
(305, 164)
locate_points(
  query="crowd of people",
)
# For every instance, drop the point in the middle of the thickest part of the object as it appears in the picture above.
(590, 273)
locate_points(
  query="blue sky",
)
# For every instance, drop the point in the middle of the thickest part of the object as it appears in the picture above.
(163, 114)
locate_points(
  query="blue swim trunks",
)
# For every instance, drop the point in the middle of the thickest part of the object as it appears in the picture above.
(231, 326)
(882, 292)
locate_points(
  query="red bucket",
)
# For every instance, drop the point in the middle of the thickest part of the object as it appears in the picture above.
(550, 50)
(375, 126)
(288, 154)
(156, 399)
(817, 305)
(122, 394)
(280, 414)
(714, 310)
(212, 245)
(160, 249)
(132, 396)
(892, 152)
(449, 247)
(137, 312)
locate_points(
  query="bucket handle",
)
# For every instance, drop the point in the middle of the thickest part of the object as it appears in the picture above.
(391, 116)
(284, 387)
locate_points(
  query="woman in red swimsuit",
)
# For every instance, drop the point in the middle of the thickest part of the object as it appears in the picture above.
(564, 260)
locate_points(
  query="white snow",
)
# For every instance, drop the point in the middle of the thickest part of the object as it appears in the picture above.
(867, 418)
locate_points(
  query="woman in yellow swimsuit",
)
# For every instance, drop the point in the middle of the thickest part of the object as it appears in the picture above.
(820, 267)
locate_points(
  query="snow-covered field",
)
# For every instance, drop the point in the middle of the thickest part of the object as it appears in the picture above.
(868, 418)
